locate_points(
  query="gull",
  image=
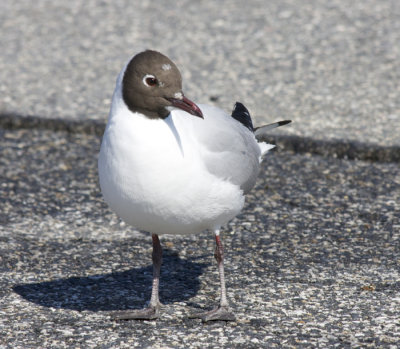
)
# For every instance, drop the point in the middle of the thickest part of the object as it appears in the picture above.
(170, 166)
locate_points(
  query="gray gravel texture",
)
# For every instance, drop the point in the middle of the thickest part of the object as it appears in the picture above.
(313, 260)
(331, 66)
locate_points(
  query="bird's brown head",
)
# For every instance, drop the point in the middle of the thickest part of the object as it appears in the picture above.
(152, 84)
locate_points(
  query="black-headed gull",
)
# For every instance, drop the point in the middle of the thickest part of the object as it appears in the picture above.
(169, 166)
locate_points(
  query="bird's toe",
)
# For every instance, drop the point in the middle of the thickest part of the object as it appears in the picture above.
(149, 313)
(217, 314)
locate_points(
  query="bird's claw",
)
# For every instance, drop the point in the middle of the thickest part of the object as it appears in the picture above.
(220, 313)
(149, 313)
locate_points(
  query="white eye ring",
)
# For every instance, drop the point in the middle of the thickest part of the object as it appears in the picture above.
(150, 80)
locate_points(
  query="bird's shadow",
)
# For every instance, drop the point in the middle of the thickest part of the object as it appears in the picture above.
(119, 290)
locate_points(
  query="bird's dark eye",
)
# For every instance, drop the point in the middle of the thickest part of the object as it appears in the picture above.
(150, 80)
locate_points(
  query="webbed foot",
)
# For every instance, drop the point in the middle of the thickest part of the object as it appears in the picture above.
(219, 313)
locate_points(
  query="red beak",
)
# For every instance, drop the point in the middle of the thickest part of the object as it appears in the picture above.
(187, 105)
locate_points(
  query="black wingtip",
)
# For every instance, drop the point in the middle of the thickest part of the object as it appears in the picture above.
(240, 108)
(241, 114)
(284, 122)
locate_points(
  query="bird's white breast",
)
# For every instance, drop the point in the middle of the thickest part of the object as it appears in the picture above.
(153, 176)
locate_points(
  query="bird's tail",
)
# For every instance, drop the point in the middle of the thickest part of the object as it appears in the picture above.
(261, 135)
(264, 147)
(241, 114)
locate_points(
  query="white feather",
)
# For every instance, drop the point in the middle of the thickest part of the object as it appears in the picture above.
(179, 175)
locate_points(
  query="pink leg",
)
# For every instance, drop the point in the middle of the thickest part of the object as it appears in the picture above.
(223, 311)
(153, 310)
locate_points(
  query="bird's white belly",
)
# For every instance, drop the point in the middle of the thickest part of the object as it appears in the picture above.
(160, 184)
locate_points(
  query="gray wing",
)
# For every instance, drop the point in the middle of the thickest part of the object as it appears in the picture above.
(230, 150)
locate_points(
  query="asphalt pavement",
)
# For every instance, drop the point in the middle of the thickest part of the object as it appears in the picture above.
(312, 261)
